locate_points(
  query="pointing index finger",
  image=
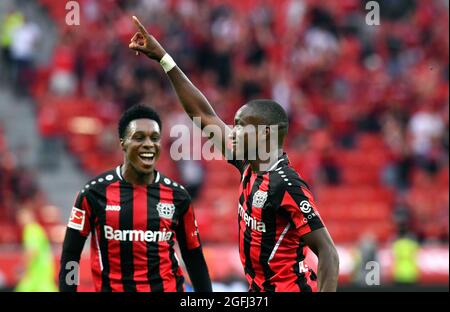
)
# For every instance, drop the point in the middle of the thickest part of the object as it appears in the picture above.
(139, 25)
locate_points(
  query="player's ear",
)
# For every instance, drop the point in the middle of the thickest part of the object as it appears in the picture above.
(122, 144)
(266, 133)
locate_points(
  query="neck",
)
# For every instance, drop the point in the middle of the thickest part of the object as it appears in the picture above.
(132, 176)
(260, 166)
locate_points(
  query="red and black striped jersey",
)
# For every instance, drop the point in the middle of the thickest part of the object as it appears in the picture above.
(134, 229)
(275, 210)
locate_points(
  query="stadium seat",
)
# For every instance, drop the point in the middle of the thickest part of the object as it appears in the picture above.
(352, 231)
(370, 142)
(10, 233)
(360, 176)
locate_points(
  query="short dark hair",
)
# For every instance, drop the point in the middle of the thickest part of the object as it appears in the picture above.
(270, 112)
(137, 112)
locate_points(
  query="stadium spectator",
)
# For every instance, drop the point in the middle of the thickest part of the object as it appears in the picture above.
(192, 172)
(39, 273)
(12, 21)
(366, 251)
(23, 54)
(404, 254)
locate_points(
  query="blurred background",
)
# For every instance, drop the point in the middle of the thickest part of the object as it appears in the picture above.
(368, 108)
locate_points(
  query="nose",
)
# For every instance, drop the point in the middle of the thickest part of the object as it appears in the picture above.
(148, 142)
(232, 134)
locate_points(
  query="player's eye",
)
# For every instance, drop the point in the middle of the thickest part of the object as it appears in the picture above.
(239, 128)
(155, 138)
(139, 138)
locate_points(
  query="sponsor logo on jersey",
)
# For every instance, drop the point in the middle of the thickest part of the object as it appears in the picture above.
(137, 235)
(310, 216)
(251, 222)
(305, 206)
(113, 208)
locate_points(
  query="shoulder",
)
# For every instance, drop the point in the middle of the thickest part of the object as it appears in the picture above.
(241, 165)
(179, 191)
(287, 180)
(99, 182)
(284, 179)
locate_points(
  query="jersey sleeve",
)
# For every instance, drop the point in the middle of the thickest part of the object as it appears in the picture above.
(187, 231)
(81, 215)
(239, 164)
(298, 203)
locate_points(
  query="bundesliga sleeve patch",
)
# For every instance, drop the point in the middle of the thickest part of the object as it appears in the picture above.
(76, 220)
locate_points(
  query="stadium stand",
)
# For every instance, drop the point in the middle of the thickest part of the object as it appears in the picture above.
(341, 100)
(368, 106)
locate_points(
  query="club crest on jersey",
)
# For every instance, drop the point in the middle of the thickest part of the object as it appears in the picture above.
(165, 210)
(76, 220)
(259, 199)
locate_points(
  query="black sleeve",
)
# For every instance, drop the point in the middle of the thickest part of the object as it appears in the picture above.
(239, 164)
(197, 269)
(188, 238)
(71, 251)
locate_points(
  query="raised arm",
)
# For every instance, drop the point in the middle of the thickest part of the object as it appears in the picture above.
(194, 102)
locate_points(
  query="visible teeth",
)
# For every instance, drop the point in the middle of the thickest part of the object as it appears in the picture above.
(147, 155)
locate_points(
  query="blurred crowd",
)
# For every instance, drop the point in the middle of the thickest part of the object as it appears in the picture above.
(19, 190)
(336, 76)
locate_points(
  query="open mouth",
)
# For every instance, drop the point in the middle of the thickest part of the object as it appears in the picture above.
(147, 158)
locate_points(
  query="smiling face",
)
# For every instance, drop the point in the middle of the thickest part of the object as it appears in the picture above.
(142, 145)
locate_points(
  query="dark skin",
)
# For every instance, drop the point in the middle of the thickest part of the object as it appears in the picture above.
(246, 124)
(142, 147)
(196, 105)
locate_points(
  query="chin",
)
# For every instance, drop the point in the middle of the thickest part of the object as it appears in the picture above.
(147, 170)
(141, 170)
(239, 155)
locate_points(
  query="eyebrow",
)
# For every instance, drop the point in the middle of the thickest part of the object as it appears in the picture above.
(153, 132)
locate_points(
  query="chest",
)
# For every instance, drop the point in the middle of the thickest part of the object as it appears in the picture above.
(255, 201)
(255, 190)
(137, 209)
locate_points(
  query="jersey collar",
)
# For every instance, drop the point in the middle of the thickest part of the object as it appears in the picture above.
(119, 174)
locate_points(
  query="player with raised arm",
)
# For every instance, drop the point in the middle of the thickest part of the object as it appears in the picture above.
(277, 215)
